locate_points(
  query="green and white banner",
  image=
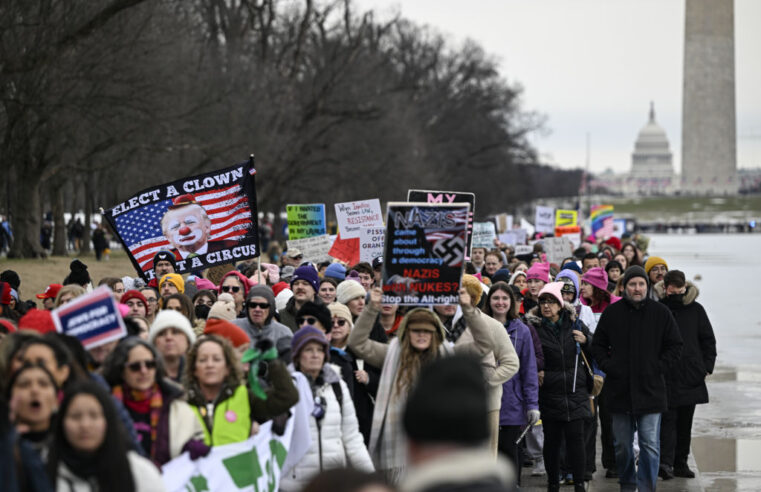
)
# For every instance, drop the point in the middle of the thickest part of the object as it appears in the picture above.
(252, 465)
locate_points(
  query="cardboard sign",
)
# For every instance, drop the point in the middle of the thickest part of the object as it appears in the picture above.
(484, 234)
(205, 221)
(431, 196)
(521, 235)
(93, 318)
(371, 241)
(306, 220)
(315, 249)
(524, 249)
(566, 218)
(545, 219)
(346, 250)
(424, 253)
(352, 216)
(508, 238)
(504, 223)
(557, 249)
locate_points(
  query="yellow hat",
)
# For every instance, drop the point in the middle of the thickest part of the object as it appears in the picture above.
(654, 260)
(174, 279)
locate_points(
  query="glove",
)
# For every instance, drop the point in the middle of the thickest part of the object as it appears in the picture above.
(533, 416)
(197, 449)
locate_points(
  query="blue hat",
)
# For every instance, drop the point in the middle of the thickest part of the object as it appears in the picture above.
(501, 275)
(572, 265)
(336, 271)
(307, 273)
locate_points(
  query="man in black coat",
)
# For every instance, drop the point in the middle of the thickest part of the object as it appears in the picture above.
(636, 344)
(686, 382)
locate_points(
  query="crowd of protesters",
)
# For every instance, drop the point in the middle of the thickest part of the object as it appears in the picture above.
(609, 336)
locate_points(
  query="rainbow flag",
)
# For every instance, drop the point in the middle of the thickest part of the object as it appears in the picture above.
(602, 221)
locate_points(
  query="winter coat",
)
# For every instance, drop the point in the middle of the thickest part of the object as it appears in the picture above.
(500, 364)
(686, 381)
(277, 333)
(467, 469)
(583, 311)
(520, 393)
(363, 395)
(337, 437)
(144, 474)
(557, 400)
(636, 344)
(538, 353)
(288, 315)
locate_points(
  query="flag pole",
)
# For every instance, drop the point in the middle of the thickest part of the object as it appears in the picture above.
(259, 256)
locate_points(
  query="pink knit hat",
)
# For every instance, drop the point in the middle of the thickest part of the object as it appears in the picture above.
(596, 276)
(539, 271)
(553, 289)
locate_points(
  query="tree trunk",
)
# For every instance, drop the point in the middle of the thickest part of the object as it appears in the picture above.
(86, 247)
(26, 217)
(59, 222)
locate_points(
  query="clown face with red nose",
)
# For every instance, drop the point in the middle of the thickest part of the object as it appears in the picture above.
(186, 226)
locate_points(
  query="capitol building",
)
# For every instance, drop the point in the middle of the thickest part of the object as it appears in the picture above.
(652, 171)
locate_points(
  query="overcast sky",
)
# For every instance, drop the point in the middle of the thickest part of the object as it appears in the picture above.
(593, 66)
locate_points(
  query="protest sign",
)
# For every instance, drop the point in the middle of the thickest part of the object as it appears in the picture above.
(557, 249)
(545, 219)
(424, 252)
(619, 227)
(573, 233)
(251, 465)
(351, 216)
(566, 218)
(204, 220)
(306, 220)
(521, 235)
(315, 249)
(526, 226)
(510, 238)
(484, 234)
(432, 196)
(601, 217)
(371, 240)
(504, 223)
(523, 249)
(346, 250)
(93, 318)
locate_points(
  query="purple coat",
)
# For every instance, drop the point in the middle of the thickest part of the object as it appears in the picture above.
(521, 392)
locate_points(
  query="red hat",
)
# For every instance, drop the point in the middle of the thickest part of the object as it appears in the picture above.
(243, 280)
(39, 320)
(183, 200)
(134, 294)
(615, 242)
(51, 292)
(5, 293)
(279, 287)
(225, 329)
(8, 325)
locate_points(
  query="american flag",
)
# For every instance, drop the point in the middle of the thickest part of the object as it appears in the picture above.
(140, 228)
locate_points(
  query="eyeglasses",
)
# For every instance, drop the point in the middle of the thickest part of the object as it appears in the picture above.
(151, 300)
(545, 302)
(306, 319)
(260, 305)
(339, 322)
(138, 365)
(231, 288)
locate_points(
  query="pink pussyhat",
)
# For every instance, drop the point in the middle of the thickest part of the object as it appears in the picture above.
(596, 276)
(553, 289)
(539, 271)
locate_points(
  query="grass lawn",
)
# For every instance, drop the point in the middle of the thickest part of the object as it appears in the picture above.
(654, 207)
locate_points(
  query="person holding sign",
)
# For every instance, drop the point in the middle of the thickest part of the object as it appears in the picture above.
(420, 340)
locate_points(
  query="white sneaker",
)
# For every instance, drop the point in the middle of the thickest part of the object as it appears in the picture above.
(538, 470)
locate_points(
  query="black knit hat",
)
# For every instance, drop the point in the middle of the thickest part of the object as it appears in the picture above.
(12, 278)
(635, 271)
(78, 274)
(449, 403)
(165, 256)
(319, 311)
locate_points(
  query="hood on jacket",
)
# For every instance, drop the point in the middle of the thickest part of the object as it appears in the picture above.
(266, 292)
(691, 292)
(403, 324)
(574, 278)
(534, 316)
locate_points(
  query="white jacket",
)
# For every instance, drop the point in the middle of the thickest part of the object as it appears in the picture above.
(183, 426)
(145, 475)
(342, 444)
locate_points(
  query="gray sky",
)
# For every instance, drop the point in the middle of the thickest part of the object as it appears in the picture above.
(594, 66)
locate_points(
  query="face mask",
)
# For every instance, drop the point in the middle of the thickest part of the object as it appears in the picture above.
(202, 311)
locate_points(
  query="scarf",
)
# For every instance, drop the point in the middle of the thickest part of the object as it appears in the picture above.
(83, 465)
(149, 401)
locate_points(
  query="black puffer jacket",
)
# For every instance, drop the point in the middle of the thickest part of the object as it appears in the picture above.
(557, 400)
(686, 381)
(636, 344)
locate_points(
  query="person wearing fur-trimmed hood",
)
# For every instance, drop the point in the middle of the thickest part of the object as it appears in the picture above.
(420, 340)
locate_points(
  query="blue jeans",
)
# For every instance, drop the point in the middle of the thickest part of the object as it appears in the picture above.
(648, 428)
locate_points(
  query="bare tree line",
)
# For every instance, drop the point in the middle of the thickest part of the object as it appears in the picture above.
(101, 99)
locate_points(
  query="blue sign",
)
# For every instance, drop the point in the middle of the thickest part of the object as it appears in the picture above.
(93, 318)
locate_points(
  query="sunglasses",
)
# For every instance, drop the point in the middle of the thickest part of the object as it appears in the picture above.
(231, 288)
(136, 366)
(339, 322)
(306, 319)
(260, 305)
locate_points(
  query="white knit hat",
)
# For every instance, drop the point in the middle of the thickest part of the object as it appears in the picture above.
(339, 310)
(224, 308)
(348, 290)
(169, 318)
(282, 298)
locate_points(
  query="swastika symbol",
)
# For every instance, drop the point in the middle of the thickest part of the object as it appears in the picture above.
(450, 250)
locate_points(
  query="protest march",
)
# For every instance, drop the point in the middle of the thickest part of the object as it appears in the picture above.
(413, 345)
